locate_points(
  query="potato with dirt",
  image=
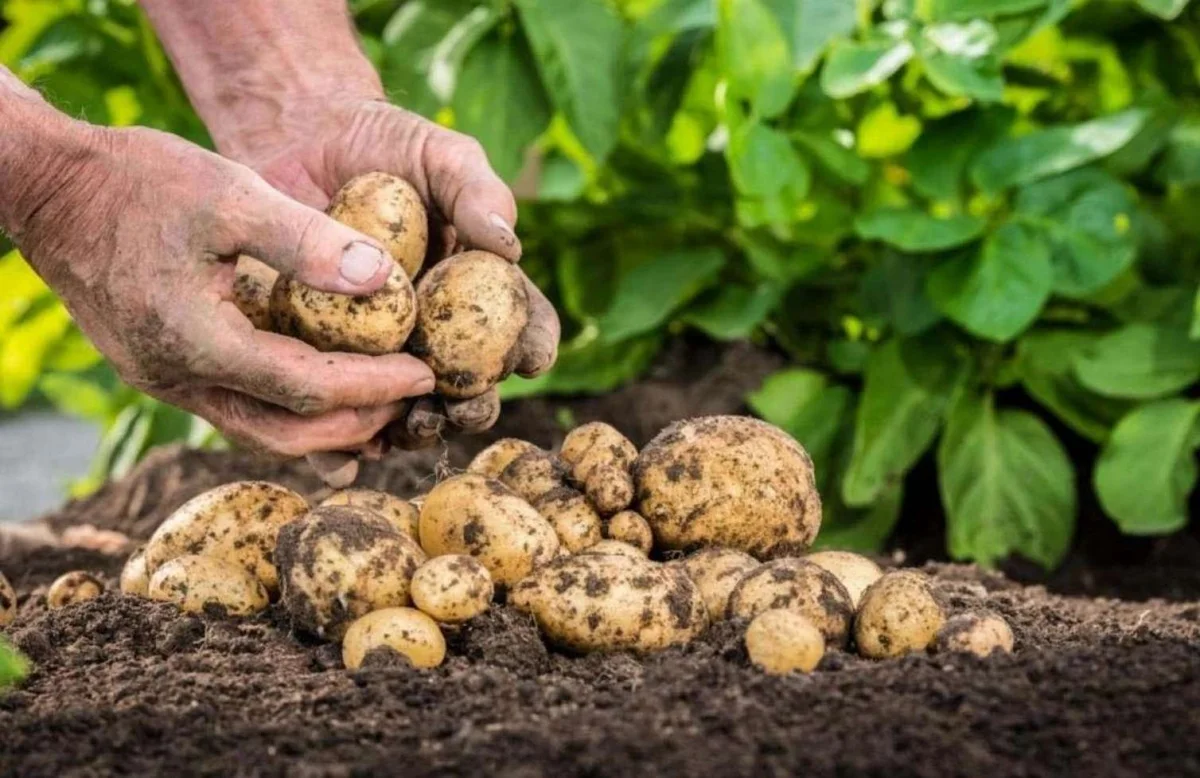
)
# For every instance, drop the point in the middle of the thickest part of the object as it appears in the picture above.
(899, 614)
(471, 311)
(406, 631)
(238, 522)
(575, 521)
(492, 460)
(728, 481)
(717, 572)
(855, 571)
(629, 527)
(252, 285)
(612, 602)
(387, 208)
(8, 602)
(810, 590)
(978, 632)
(339, 562)
(135, 578)
(452, 588)
(202, 584)
(402, 514)
(782, 641)
(534, 474)
(618, 547)
(477, 516)
(72, 588)
(600, 458)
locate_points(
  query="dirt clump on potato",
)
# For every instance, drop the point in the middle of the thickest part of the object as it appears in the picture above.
(782, 641)
(630, 527)
(252, 284)
(899, 614)
(855, 571)
(979, 632)
(492, 460)
(406, 631)
(389, 209)
(795, 584)
(452, 588)
(135, 578)
(717, 572)
(201, 584)
(73, 587)
(600, 458)
(8, 602)
(574, 519)
(534, 474)
(401, 513)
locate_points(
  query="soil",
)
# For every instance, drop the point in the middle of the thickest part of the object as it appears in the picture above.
(1096, 686)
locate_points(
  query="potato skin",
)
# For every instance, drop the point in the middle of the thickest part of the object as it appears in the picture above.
(618, 547)
(237, 522)
(898, 614)
(472, 308)
(979, 632)
(387, 208)
(197, 583)
(855, 571)
(612, 602)
(477, 516)
(401, 513)
(600, 458)
(534, 474)
(717, 572)
(339, 562)
(780, 641)
(452, 588)
(630, 527)
(252, 284)
(492, 460)
(8, 602)
(728, 481)
(406, 631)
(74, 587)
(574, 520)
(810, 590)
(135, 578)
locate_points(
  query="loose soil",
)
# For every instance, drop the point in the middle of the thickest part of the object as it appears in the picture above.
(1096, 687)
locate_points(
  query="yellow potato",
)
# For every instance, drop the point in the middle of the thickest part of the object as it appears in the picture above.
(978, 632)
(612, 602)
(198, 584)
(473, 515)
(339, 562)
(574, 520)
(629, 527)
(452, 588)
(472, 308)
(252, 285)
(600, 458)
(781, 641)
(855, 571)
(237, 522)
(534, 474)
(618, 547)
(74, 587)
(387, 208)
(728, 481)
(898, 614)
(492, 460)
(8, 602)
(403, 515)
(717, 571)
(406, 631)
(810, 590)
(135, 578)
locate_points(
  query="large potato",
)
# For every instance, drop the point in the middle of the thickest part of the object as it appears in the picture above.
(72, 588)
(717, 572)
(473, 515)
(406, 631)
(611, 602)
(252, 285)
(781, 641)
(339, 562)
(600, 458)
(135, 578)
(472, 308)
(8, 602)
(199, 583)
(810, 590)
(237, 522)
(898, 614)
(387, 208)
(492, 460)
(978, 632)
(728, 481)
(855, 571)
(452, 588)
(618, 547)
(402, 514)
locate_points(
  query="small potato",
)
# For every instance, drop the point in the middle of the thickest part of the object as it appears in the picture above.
(74, 587)
(8, 602)
(472, 309)
(600, 458)
(728, 481)
(402, 514)
(855, 571)
(534, 474)
(473, 515)
(492, 460)
(252, 285)
(717, 571)
(452, 588)
(388, 209)
(197, 584)
(406, 631)
(574, 519)
(611, 602)
(237, 522)
(135, 578)
(339, 562)
(781, 641)
(629, 527)
(979, 632)
(618, 547)
(898, 614)
(795, 584)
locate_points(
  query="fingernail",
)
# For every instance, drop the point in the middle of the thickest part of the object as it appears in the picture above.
(500, 223)
(360, 262)
(424, 385)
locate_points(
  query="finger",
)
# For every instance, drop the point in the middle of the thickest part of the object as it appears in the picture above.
(336, 469)
(420, 428)
(480, 205)
(539, 340)
(475, 415)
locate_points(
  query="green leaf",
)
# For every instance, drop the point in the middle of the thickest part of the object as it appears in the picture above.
(1181, 162)
(74, 353)
(500, 101)
(1164, 9)
(913, 230)
(834, 158)
(409, 40)
(978, 79)
(13, 666)
(1028, 158)
(1140, 361)
(853, 67)
(20, 290)
(762, 162)
(885, 132)
(1007, 485)
(735, 311)
(586, 281)
(893, 288)
(998, 292)
(577, 44)
(447, 57)
(908, 386)
(810, 26)
(588, 366)
(1148, 468)
(938, 160)
(76, 396)
(973, 9)
(754, 56)
(864, 530)
(649, 293)
(1195, 332)
(803, 404)
(1044, 366)
(24, 350)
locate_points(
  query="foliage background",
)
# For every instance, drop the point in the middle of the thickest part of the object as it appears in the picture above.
(971, 224)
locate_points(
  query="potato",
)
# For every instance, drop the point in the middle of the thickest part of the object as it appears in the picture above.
(473, 515)
(574, 519)
(810, 590)
(492, 460)
(855, 571)
(618, 547)
(406, 631)
(534, 474)
(237, 522)
(252, 285)
(717, 571)
(452, 588)
(340, 562)
(135, 578)
(728, 481)
(898, 614)
(8, 602)
(402, 514)
(629, 527)
(198, 584)
(780, 641)
(387, 208)
(600, 458)
(472, 308)
(73, 587)
(979, 632)
(611, 602)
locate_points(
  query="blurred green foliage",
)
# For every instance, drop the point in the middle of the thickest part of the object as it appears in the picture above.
(969, 223)
(13, 666)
